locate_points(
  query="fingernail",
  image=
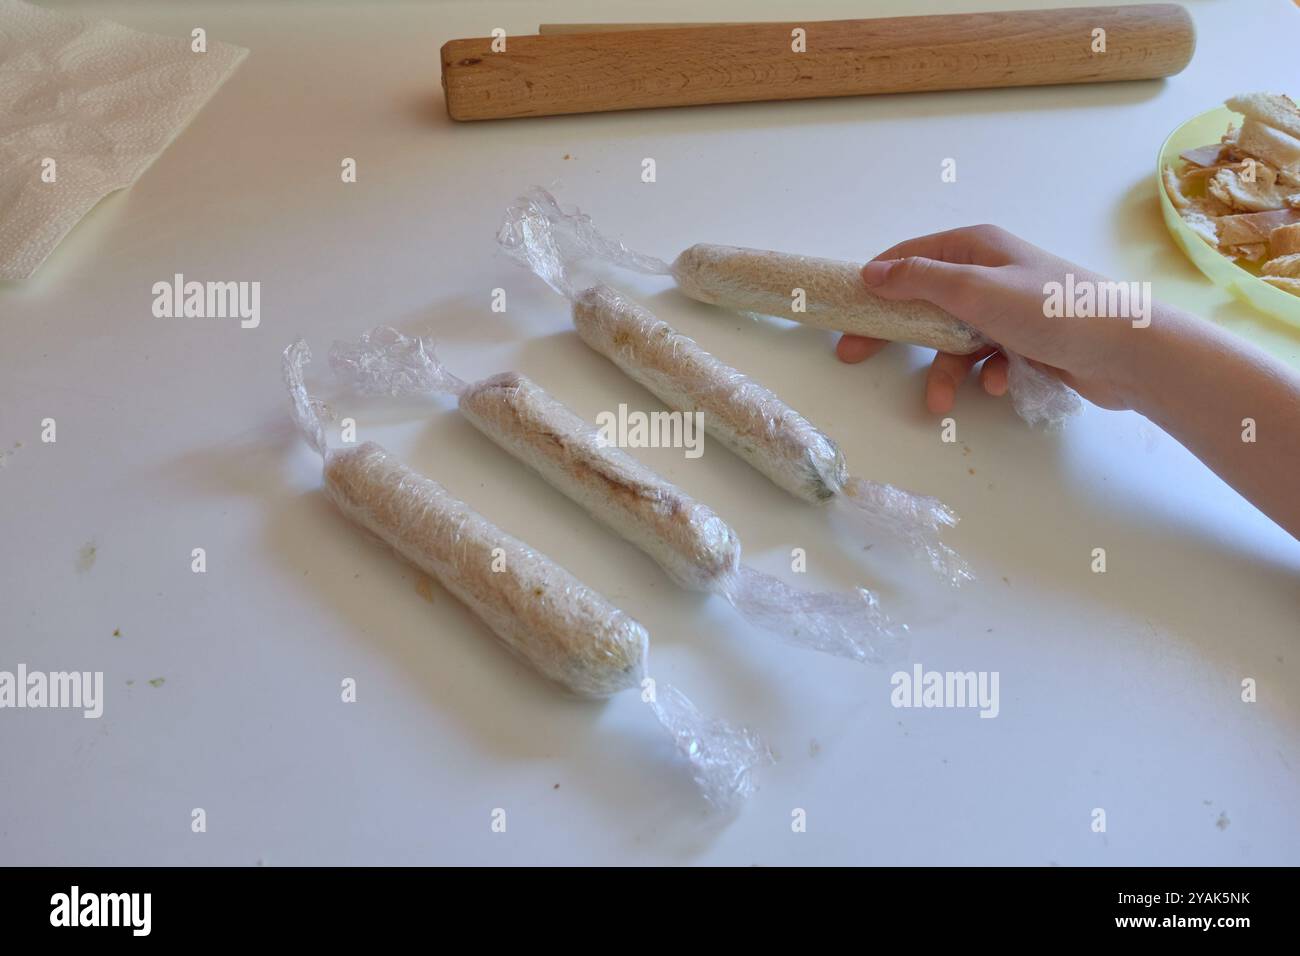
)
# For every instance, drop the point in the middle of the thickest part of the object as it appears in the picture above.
(850, 348)
(941, 392)
(941, 398)
(875, 271)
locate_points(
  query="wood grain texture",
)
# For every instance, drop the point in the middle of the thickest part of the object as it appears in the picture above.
(736, 63)
(548, 29)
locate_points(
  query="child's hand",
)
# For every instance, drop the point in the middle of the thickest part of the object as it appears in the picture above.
(994, 282)
(1196, 381)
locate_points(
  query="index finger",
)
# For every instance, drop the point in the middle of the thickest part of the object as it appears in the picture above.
(969, 245)
(857, 348)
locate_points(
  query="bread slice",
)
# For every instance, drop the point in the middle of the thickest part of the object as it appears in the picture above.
(1271, 109)
(1202, 225)
(1248, 228)
(1285, 284)
(1288, 267)
(1250, 251)
(1258, 193)
(1174, 189)
(1278, 149)
(1211, 155)
(1284, 240)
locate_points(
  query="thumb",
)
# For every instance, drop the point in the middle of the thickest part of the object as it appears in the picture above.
(948, 285)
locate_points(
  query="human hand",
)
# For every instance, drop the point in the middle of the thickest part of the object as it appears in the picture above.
(994, 281)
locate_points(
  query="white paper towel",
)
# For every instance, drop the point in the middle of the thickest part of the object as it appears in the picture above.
(101, 101)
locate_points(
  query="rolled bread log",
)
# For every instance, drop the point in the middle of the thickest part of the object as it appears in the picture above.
(764, 282)
(687, 539)
(741, 413)
(565, 629)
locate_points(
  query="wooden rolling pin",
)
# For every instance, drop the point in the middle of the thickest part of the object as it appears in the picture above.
(547, 29)
(735, 63)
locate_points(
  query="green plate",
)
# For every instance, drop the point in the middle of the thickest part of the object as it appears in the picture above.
(1201, 131)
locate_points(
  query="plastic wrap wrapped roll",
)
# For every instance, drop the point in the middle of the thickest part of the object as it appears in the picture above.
(566, 630)
(696, 548)
(738, 411)
(835, 297)
(688, 540)
(755, 424)
(538, 233)
(562, 627)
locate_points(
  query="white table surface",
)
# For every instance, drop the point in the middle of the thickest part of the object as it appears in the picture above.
(1119, 691)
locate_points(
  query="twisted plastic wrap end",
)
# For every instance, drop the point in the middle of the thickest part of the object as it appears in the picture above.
(722, 756)
(846, 624)
(916, 519)
(307, 411)
(538, 234)
(1039, 397)
(383, 361)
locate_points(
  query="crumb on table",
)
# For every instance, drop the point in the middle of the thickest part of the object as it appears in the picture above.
(86, 556)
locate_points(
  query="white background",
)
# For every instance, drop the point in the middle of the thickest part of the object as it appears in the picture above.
(1119, 691)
